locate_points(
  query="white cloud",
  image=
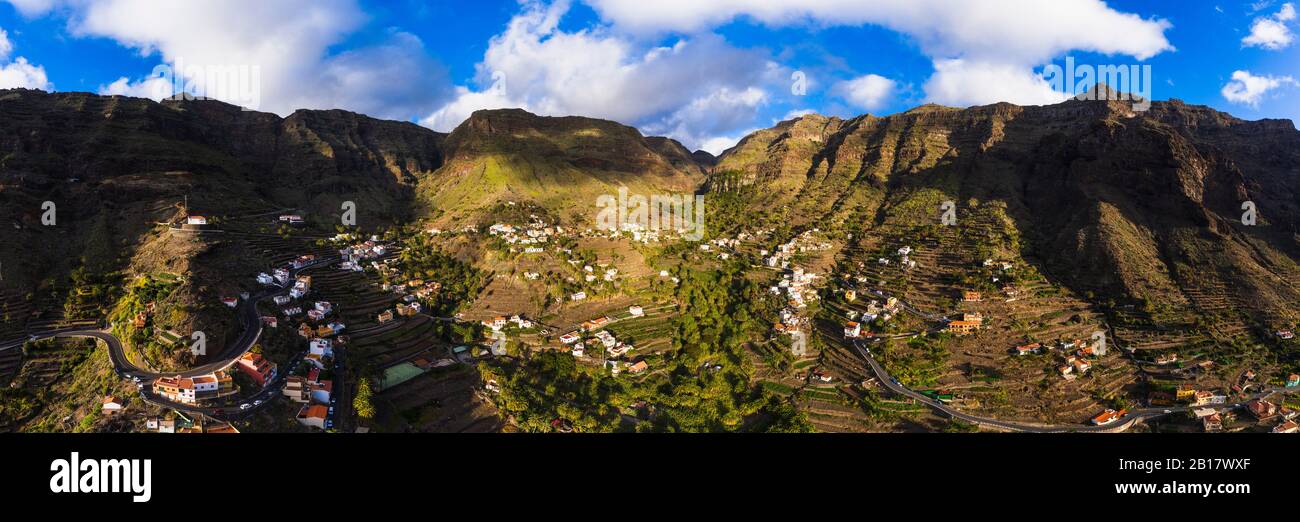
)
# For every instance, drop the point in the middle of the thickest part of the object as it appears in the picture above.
(1004, 38)
(797, 113)
(694, 90)
(1272, 32)
(869, 92)
(707, 121)
(154, 88)
(963, 83)
(719, 144)
(19, 73)
(282, 48)
(6, 46)
(1246, 88)
(31, 8)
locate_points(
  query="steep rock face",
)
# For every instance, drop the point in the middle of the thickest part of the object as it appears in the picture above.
(1143, 206)
(562, 164)
(781, 157)
(213, 149)
(115, 167)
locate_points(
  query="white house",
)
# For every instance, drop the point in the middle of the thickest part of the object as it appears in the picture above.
(196, 220)
(205, 384)
(852, 330)
(322, 347)
(112, 406)
(636, 311)
(265, 279)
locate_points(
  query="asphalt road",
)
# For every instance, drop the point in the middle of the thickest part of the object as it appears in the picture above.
(1133, 418)
(893, 385)
(248, 336)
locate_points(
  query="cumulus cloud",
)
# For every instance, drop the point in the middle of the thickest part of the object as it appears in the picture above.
(1248, 89)
(1272, 32)
(694, 90)
(963, 82)
(705, 122)
(280, 50)
(19, 73)
(797, 113)
(6, 46)
(1001, 39)
(869, 92)
(31, 8)
(154, 88)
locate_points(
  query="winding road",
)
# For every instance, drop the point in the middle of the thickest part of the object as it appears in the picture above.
(248, 336)
(1133, 418)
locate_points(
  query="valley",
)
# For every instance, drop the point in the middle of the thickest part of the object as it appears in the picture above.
(1071, 267)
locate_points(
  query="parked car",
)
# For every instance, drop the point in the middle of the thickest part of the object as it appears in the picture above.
(245, 406)
(257, 402)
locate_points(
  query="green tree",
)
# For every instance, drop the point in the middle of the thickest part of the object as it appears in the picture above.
(363, 403)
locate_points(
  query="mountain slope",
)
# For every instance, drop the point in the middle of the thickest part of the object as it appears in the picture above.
(1140, 207)
(562, 164)
(116, 167)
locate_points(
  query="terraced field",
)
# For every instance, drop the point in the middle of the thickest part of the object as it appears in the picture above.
(442, 401)
(977, 368)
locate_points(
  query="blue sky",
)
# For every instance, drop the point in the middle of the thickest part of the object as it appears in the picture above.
(703, 72)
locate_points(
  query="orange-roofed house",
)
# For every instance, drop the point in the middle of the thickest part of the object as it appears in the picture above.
(257, 368)
(637, 367)
(112, 406)
(963, 327)
(594, 324)
(177, 389)
(313, 415)
(1262, 409)
(1028, 349)
(970, 297)
(1213, 423)
(1107, 417)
